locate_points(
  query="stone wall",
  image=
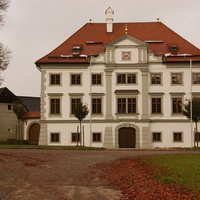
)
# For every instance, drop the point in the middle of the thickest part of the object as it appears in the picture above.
(8, 122)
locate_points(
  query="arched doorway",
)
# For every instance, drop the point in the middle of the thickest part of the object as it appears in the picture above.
(127, 137)
(34, 133)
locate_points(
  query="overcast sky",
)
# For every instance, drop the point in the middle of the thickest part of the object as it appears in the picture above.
(33, 28)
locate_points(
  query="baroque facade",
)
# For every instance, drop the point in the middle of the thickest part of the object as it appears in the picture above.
(134, 78)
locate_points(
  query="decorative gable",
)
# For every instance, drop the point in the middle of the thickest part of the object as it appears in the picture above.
(126, 40)
(126, 49)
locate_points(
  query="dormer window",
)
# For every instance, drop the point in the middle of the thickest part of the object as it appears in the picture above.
(173, 48)
(76, 49)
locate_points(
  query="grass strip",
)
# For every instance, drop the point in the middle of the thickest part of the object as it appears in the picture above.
(27, 146)
(181, 169)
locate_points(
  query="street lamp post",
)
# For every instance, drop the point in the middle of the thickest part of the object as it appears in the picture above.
(191, 103)
(90, 98)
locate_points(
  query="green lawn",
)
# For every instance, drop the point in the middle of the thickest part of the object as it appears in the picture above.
(183, 169)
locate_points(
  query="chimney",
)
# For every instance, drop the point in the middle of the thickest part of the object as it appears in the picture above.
(109, 20)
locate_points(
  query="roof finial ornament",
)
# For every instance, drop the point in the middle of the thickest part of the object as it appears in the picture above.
(126, 29)
(90, 20)
(158, 19)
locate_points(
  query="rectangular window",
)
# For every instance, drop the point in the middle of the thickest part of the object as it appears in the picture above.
(131, 78)
(156, 137)
(196, 78)
(74, 137)
(55, 106)
(131, 105)
(75, 79)
(96, 105)
(96, 137)
(121, 105)
(96, 79)
(126, 105)
(9, 107)
(155, 78)
(126, 78)
(176, 78)
(74, 104)
(156, 105)
(177, 137)
(55, 137)
(176, 105)
(121, 78)
(55, 79)
(197, 136)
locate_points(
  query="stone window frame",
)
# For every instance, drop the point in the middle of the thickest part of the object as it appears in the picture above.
(177, 137)
(98, 96)
(196, 74)
(197, 136)
(76, 84)
(74, 96)
(95, 141)
(161, 78)
(176, 73)
(126, 94)
(96, 103)
(126, 78)
(156, 95)
(55, 84)
(55, 137)
(156, 132)
(177, 95)
(74, 135)
(55, 96)
(101, 77)
(127, 105)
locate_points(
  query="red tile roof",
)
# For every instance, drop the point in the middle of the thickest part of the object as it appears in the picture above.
(31, 115)
(92, 38)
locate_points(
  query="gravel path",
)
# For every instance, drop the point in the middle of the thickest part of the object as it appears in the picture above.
(59, 174)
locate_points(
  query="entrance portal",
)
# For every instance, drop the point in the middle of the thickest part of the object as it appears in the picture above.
(127, 137)
(34, 133)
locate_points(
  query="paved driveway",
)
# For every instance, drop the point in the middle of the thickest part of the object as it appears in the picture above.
(59, 174)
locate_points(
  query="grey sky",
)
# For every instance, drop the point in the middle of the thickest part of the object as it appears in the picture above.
(33, 28)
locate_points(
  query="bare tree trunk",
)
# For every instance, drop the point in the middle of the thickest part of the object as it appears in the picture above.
(18, 131)
(80, 133)
(83, 137)
(21, 132)
(16, 135)
(197, 134)
(77, 135)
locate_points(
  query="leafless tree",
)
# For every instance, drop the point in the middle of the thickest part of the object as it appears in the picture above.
(80, 113)
(19, 109)
(4, 4)
(4, 51)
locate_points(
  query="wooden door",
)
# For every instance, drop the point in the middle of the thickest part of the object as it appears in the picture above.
(127, 137)
(34, 133)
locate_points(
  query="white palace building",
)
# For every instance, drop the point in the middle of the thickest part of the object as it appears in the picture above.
(134, 79)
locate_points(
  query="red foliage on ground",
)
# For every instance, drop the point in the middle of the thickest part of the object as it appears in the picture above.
(136, 181)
